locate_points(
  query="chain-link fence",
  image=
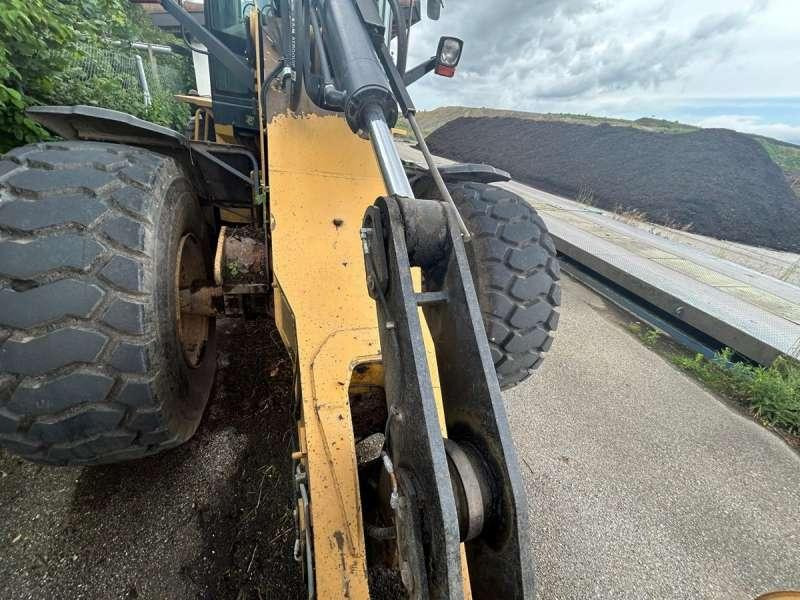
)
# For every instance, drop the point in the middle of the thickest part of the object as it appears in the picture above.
(146, 70)
(137, 78)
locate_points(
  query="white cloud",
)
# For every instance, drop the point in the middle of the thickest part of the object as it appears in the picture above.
(592, 55)
(753, 124)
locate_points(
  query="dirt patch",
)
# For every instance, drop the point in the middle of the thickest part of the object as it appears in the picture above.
(721, 183)
(245, 249)
(248, 527)
(209, 520)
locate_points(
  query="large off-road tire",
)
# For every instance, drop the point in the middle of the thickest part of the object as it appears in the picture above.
(516, 275)
(92, 368)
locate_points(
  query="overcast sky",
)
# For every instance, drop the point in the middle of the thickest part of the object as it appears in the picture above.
(715, 63)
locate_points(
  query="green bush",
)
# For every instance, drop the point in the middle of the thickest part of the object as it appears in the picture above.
(42, 41)
(773, 393)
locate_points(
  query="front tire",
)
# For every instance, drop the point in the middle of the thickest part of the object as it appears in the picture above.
(92, 364)
(516, 275)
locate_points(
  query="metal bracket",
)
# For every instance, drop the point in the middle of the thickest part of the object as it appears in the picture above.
(425, 234)
(419, 71)
(238, 68)
(423, 184)
(414, 435)
(207, 149)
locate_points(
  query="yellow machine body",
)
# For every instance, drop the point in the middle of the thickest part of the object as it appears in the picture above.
(322, 178)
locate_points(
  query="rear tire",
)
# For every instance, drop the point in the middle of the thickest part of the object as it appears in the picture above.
(516, 275)
(92, 369)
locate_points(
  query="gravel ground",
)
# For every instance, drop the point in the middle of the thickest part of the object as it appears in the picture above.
(641, 485)
(719, 182)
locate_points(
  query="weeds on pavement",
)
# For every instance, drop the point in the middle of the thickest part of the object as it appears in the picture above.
(648, 335)
(772, 393)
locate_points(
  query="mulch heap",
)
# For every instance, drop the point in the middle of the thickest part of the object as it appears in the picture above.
(718, 182)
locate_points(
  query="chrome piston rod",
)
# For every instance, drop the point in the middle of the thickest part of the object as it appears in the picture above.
(394, 174)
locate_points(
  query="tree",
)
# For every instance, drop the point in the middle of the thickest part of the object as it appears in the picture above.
(42, 41)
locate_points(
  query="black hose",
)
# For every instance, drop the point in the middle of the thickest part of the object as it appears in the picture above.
(283, 30)
(323, 55)
(402, 37)
(272, 75)
(246, 5)
(192, 48)
(294, 54)
(320, 89)
(380, 533)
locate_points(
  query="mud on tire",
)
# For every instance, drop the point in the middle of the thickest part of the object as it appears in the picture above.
(91, 369)
(516, 273)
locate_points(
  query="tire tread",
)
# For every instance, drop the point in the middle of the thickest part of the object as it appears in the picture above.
(516, 277)
(102, 337)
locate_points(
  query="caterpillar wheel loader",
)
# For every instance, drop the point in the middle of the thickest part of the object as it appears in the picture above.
(407, 297)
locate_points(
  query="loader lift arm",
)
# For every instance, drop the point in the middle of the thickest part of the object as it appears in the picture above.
(465, 489)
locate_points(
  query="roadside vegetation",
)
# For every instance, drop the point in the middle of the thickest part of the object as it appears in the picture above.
(43, 47)
(431, 120)
(771, 394)
(787, 156)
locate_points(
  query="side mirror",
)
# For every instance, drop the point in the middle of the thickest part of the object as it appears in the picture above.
(447, 56)
(444, 63)
(434, 9)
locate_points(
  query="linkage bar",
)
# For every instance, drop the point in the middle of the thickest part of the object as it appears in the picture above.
(472, 491)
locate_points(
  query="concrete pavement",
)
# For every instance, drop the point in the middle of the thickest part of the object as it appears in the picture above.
(641, 483)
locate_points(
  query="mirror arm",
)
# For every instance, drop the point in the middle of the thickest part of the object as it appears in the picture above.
(420, 70)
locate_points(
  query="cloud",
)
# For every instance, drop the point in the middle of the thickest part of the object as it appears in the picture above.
(521, 53)
(753, 124)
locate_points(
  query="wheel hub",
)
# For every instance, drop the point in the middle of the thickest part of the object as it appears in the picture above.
(193, 328)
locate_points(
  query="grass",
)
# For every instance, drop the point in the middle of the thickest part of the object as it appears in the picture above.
(585, 195)
(431, 120)
(649, 336)
(786, 156)
(629, 215)
(771, 394)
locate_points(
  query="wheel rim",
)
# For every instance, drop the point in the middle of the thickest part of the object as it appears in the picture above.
(193, 329)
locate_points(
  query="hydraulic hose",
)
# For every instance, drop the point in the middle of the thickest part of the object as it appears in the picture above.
(402, 37)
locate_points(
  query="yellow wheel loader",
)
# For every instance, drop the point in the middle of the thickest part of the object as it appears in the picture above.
(406, 296)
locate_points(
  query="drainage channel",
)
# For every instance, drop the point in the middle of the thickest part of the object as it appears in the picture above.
(683, 334)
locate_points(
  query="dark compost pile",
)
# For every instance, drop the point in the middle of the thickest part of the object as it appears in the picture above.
(719, 182)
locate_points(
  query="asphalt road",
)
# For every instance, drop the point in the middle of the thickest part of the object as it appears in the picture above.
(641, 485)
